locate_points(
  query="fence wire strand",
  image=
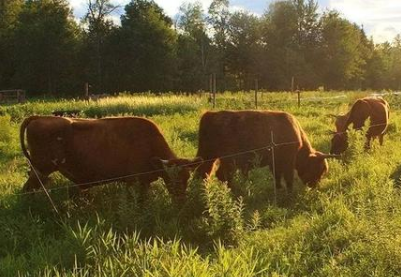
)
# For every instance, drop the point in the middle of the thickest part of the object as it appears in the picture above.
(271, 145)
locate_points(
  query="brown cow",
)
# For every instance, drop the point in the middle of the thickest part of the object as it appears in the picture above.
(377, 109)
(95, 151)
(231, 136)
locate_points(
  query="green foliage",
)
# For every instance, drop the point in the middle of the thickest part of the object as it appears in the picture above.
(46, 37)
(6, 132)
(44, 51)
(147, 43)
(223, 214)
(342, 42)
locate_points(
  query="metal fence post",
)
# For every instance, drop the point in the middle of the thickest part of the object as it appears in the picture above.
(274, 168)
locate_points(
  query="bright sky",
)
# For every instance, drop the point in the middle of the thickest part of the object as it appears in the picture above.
(380, 18)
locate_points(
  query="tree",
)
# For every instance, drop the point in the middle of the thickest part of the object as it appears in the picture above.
(99, 27)
(279, 29)
(219, 16)
(9, 11)
(378, 67)
(243, 47)
(395, 70)
(193, 47)
(147, 48)
(341, 51)
(46, 40)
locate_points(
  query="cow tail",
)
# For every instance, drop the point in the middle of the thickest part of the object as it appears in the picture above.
(24, 125)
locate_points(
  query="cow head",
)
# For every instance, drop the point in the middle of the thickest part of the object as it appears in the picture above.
(339, 143)
(47, 138)
(176, 173)
(313, 168)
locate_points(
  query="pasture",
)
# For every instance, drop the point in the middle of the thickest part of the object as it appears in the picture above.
(349, 226)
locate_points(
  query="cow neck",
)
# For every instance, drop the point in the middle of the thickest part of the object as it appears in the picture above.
(304, 152)
(344, 120)
(357, 121)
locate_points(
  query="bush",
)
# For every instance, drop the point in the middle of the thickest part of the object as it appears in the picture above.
(223, 217)
(6, 133)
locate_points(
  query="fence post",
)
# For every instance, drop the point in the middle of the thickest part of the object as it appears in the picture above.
(87, 91)
(273, 168)
(292, 83)
(299, 98)
(256, 92)
(214, 90)
(211, 83)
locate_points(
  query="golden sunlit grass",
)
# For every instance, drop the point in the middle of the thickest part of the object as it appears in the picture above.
(350, 226)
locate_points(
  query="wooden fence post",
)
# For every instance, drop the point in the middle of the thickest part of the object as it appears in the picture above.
(292, 83)
(256, 92)
(214, 90)
(86, 91)
(211, 83)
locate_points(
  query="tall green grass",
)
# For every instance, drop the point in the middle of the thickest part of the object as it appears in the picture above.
(350, 226)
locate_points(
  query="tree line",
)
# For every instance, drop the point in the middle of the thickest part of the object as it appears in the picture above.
(44, 49)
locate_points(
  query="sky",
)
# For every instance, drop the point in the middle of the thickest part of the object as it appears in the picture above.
(381, 19)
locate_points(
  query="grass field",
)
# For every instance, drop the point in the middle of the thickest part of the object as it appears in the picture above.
(350, 226)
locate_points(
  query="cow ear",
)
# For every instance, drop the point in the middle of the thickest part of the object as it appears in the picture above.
(158, 163)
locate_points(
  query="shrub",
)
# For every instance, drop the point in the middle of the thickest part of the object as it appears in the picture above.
(6, 132)
(223, 217)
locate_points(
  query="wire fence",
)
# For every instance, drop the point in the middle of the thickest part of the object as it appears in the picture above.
(129, 176)
(257, 100)
(271, 146)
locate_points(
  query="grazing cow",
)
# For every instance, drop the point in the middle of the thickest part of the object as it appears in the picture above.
(229, 138)
(377, 109)
(95, 151)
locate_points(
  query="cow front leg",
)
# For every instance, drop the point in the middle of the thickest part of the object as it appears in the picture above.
(277, 179)
(223, 174)
(367, 143)
(144, 188)
(76, 192)
(381, 137)
(205, 169)
(289, 179)
(34, 181)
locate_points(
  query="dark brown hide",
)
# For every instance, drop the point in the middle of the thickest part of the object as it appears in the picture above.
(377, 109)
(228, 136)
(85, 150)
